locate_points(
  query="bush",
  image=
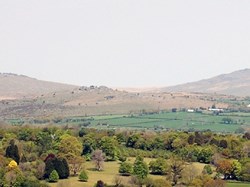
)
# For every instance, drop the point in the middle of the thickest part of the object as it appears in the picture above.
(53, 177)
(207, 169)
(126, 169)
(100, 183)
(83, 176)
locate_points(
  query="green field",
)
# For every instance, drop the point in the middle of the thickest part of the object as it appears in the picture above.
(162, 121)
(170, 120)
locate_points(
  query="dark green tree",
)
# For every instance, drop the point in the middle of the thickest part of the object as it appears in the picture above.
(12, 151)
(58, 164)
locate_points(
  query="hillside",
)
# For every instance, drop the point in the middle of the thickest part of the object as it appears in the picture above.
(235, 83)
(22, 96)
(19, 86)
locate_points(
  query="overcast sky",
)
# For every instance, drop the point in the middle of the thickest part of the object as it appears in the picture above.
(125, 43)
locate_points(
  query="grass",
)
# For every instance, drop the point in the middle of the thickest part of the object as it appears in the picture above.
(107, 175)
(163, 121)
(237, 184)
(177, 121)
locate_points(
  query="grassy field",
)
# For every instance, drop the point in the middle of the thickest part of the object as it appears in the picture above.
(110, 172)
(171, 120)
(107, 175)
(163, 121)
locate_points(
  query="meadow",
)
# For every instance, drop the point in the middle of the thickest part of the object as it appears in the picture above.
(168, 121)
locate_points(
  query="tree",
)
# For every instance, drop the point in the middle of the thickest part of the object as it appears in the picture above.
(237, 168)
(12, 151)
(140, 168)
(126, 168)
(225, 167)
(207, 169)
(245, 172)
(58, 164)
(132, 140)
(158, 167)
(108, 146)
(98, 157)
(12, 164)
(176, 167)
(83, 176)
(100, 183)
(44, 141)
(70, 148)
(53, 177)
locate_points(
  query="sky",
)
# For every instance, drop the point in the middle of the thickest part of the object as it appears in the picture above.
(124, 43)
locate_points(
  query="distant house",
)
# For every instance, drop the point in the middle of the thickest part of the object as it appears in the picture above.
(216, 109)
(190, 110)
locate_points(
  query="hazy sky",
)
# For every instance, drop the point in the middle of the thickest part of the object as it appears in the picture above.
(124, 42)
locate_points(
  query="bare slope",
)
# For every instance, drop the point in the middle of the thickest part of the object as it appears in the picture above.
(235, 83)
(14, 86)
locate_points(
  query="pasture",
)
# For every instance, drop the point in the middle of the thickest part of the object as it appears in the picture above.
(169, 121)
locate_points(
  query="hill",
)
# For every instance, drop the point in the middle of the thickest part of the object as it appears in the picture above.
(26, 97)
(235, 83)
(15, 86)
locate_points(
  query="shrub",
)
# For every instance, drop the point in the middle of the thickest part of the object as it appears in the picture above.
(207, 169)
(126, 169)
(53, 177)
(100, 183)
(83, 176)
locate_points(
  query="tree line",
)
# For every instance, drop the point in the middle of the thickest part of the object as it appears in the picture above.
(30, 155)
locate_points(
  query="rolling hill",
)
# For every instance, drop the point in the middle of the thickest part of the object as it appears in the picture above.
(236, 83)
(15, 86)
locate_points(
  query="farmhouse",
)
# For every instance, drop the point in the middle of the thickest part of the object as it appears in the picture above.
(216, 109)
(190, 110)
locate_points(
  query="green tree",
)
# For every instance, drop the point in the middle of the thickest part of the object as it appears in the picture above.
(126, 168)
(140, 168)
(207, 169)
(158, 167)
(237, 168)
(71, 149)
(108, 146)
(53, 177)
(83, 176)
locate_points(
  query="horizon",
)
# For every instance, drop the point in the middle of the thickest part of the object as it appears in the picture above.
(127, 88)
(124, 43)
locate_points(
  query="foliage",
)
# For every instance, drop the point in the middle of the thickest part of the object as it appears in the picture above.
(140, 168)
(83, 176)
(99, 183)
(126, 168)
(58, 164)
(108, 146)
(12, 151)
(176, 168)
(12, 164)
(158, 167)
(207, 169)
(53, 177)
(157, 183)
